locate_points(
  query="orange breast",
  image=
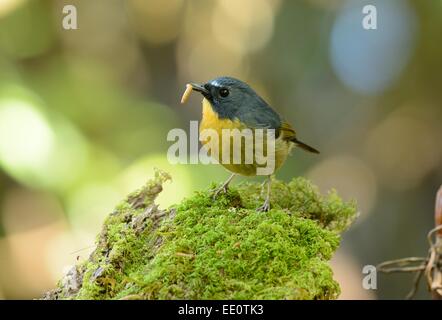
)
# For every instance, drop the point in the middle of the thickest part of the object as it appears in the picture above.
(211, 121)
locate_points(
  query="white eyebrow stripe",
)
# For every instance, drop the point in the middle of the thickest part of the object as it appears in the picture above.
(215, 83)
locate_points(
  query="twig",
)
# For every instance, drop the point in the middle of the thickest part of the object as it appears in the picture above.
(431, 266)
(416, 281)
(400, 265)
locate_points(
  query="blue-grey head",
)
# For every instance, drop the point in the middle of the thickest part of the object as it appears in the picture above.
(234, 99)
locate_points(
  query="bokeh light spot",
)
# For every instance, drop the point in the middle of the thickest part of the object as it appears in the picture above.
(405, 147)
(351, 177)
(243, 26)
(35, 150)
(368, 61)
(7, 6)
(26, 139)
(158, 22)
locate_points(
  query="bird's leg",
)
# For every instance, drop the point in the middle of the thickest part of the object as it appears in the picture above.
(223, 187)
(263, 185)
(266, 205)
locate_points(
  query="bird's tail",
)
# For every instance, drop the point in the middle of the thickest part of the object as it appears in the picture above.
(304, 146)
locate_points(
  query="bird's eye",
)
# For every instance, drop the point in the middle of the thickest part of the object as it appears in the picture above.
(224, 92)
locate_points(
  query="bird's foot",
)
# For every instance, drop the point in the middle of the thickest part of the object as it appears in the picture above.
(223, 188)
(265, 207)
(217, 191)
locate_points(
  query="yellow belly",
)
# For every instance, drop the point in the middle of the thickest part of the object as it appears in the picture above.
(211, 121)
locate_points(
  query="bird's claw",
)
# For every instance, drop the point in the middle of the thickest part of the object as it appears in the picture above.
(223, 188)
(217, 191)
(265, 207)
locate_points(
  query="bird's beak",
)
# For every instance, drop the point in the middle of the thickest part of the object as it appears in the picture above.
(197, 87)
(200, 88)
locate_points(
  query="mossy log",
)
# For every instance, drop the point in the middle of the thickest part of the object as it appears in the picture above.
(223, 249)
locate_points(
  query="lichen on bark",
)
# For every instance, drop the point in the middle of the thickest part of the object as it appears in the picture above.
(223, 249)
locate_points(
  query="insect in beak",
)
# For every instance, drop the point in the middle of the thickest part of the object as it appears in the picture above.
(194, 86)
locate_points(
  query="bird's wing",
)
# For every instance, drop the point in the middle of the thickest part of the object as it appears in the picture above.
(289, 134)
(260, 116)
(287, 131)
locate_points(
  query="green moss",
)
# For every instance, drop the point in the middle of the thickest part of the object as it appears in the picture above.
(223, 249)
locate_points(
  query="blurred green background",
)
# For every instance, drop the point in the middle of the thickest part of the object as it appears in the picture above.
(84, 116)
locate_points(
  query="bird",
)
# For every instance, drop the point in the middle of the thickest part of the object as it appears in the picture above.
(229, 104)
